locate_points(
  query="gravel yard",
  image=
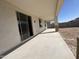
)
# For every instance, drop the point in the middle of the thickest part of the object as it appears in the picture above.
(70, 36)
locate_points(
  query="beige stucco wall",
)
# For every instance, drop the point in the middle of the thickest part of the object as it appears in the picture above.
(36, 28)
(9, 33)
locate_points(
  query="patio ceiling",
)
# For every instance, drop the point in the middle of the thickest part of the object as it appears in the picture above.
(45, 9)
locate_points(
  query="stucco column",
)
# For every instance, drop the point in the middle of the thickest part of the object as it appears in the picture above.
(56, 24)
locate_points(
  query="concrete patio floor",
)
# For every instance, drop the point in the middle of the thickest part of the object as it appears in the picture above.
(47, 45)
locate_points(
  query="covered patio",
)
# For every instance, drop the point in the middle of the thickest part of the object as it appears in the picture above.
(47, 45)
(45, 9)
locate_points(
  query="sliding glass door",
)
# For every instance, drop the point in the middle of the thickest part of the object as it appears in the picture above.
(24, 26)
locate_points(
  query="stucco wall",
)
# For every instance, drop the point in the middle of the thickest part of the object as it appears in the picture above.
(35, 23)
(9, 35)
(9, 32)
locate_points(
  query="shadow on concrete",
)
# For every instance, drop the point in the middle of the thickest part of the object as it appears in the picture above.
(48, 32)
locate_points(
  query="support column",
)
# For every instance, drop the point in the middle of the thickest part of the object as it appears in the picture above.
(56, 24)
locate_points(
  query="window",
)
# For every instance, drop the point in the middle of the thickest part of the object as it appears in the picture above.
(45, 23)
(40, 22)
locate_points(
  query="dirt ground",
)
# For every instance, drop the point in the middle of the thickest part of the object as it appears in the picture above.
(70, 36)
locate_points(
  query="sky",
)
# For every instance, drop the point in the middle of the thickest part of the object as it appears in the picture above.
(69, 10)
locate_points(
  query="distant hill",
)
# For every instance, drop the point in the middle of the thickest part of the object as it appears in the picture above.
(73, 23)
